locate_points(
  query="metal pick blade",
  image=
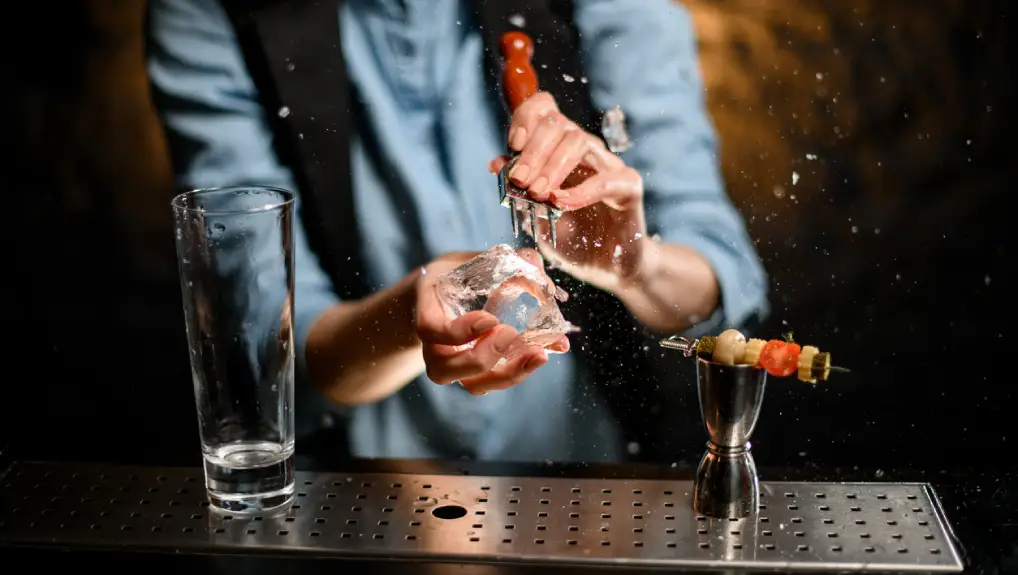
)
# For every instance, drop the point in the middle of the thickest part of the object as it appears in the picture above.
(515, 218)
(552, 220)
(840, 369)
(533, 220)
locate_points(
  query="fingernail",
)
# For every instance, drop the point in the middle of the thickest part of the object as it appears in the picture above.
(504, 339)
(517, 138)
(483, 325)
(519, 173)
(535, 362)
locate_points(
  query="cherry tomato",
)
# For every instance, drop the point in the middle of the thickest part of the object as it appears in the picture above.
(780, 358)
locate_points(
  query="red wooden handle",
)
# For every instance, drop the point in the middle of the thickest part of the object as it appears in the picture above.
(519, 79)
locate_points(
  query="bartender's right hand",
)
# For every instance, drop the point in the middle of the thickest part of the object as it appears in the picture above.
(468, 349)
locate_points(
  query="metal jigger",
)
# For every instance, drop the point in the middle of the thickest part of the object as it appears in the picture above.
(727, 484)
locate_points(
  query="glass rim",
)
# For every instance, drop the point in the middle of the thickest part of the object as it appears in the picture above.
(178, 201)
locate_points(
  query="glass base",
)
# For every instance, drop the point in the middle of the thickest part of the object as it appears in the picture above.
(250, 478)
(266, 504)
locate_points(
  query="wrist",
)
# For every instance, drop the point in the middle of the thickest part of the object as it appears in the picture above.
(645, 266)
(404, 308)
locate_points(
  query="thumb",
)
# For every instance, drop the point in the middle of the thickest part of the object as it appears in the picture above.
(496, 165)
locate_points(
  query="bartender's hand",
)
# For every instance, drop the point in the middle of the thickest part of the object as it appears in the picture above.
(602, 235)
(469, 348)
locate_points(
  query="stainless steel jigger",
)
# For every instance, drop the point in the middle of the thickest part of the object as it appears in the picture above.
(726, 484)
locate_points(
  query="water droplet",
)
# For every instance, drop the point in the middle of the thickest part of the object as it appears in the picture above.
(568, 78)
(219, 227)
(517, 20)
(795, 178)
(855, 229)
(779, 192)
(284, 112)
(290, 66)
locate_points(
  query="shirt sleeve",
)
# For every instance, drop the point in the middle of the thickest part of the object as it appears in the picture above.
(641, 55)
(217, 131)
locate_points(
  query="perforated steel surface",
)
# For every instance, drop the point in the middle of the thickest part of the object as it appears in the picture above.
(594, 521)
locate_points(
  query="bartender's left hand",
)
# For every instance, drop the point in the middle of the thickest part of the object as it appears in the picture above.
(602, 234)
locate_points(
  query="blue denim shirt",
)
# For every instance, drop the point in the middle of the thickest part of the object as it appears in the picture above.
(419, 67)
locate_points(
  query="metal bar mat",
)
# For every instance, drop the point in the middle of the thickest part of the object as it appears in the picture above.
(800, 526)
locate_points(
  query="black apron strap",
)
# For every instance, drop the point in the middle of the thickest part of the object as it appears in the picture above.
(295, 56)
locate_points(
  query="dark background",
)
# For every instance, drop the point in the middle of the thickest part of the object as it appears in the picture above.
(888, 249)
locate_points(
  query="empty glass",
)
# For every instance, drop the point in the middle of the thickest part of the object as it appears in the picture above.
(235, 256)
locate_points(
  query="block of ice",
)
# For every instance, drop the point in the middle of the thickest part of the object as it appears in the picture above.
(512, 289)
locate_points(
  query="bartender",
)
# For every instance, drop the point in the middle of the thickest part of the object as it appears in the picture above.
(652, 226)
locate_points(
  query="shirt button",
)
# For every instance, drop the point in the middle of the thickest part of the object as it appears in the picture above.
(403, 46)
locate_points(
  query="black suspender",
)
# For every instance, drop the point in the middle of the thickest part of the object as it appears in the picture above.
(294, 53)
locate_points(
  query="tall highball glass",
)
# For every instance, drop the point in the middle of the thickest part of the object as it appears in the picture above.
(235, 257)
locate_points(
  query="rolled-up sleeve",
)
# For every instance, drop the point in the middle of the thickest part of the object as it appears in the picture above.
(217, 131)
(641, 55)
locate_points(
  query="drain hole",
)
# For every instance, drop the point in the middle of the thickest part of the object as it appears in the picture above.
(510, 513)
(802, 548)
(935, 551)
(449, 512)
